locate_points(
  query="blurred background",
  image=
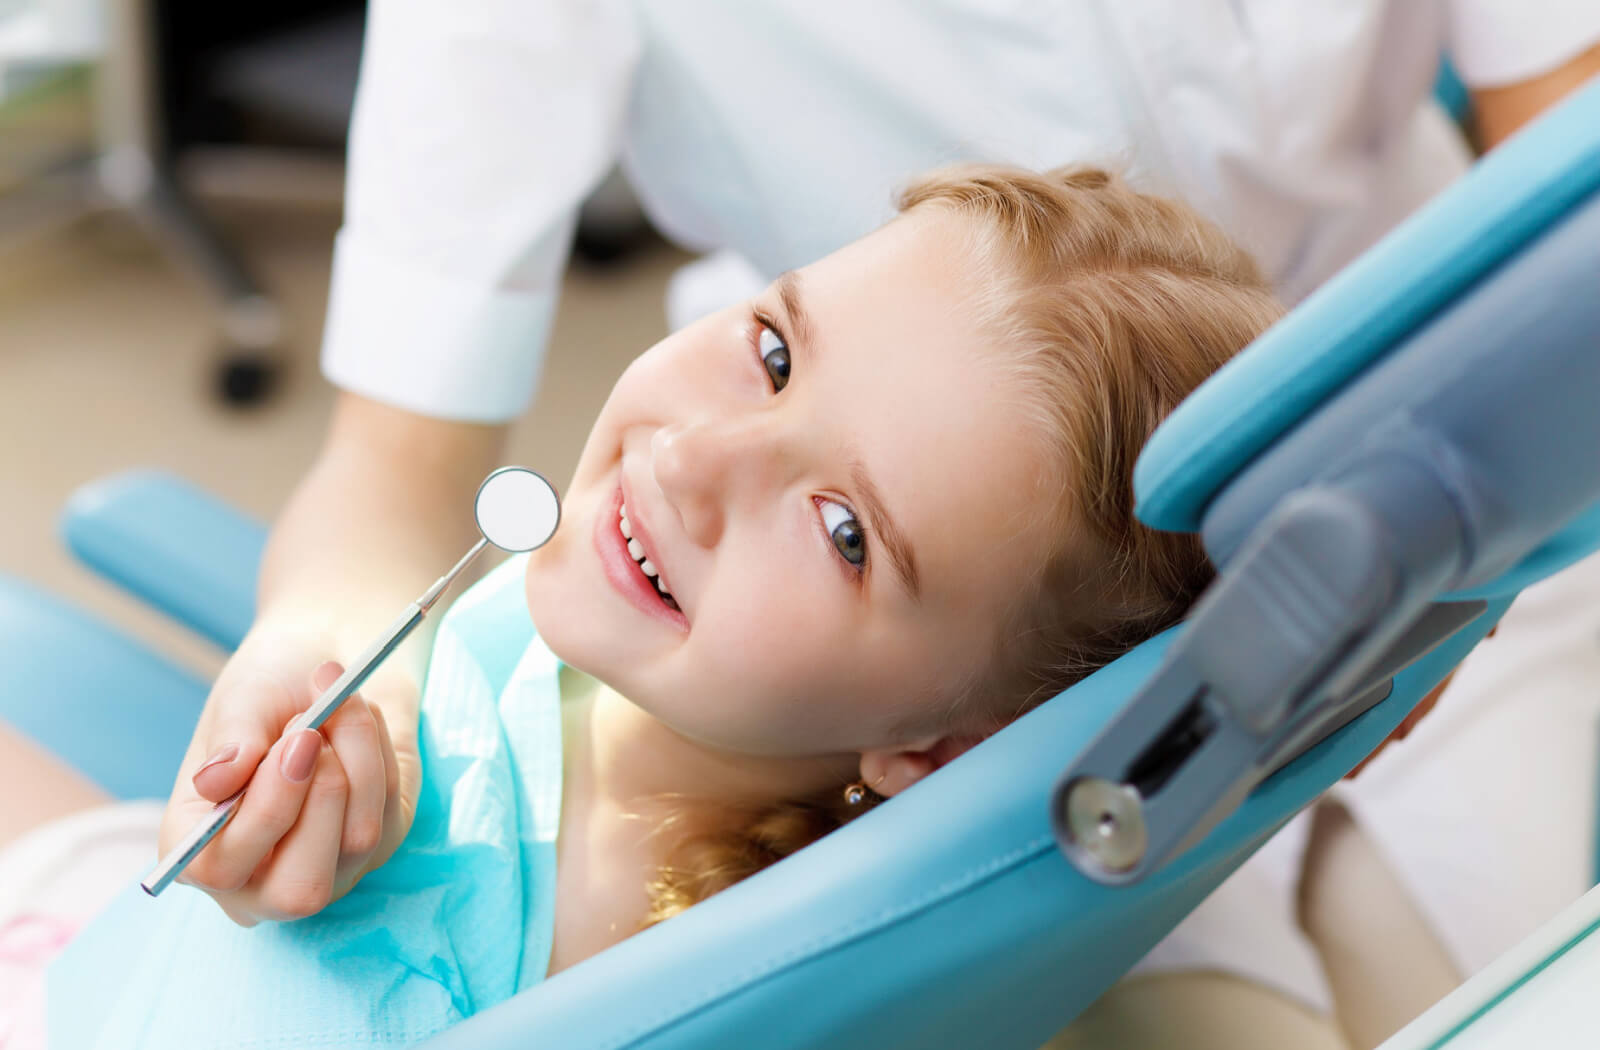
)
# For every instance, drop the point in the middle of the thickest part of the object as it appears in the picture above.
(171, 177)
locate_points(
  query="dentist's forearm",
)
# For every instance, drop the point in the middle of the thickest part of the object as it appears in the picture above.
(1499, 112)
(385, 510)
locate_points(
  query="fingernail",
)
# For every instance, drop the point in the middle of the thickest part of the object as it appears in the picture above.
(325, 675)
(226, 754)
(300, 757)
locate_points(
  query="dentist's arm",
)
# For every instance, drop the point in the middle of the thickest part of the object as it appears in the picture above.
(386, 508)
(1497, 112)
(479, 127)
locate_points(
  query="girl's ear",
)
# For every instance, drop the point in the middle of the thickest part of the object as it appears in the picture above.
(890, 772)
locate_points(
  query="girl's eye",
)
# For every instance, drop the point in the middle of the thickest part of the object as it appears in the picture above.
(775, 357)
(848, 536)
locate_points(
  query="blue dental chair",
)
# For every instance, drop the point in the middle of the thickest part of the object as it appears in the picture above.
(950, 917)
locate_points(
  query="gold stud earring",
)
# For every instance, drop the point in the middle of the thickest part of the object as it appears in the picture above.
(855, 794)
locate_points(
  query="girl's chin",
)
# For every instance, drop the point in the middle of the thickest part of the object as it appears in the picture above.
(576, 634)
(557, 619)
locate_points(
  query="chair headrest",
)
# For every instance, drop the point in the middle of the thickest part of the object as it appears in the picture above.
(1511, 196)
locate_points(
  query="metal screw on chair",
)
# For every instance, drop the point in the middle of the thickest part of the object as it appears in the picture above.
(1105, 823)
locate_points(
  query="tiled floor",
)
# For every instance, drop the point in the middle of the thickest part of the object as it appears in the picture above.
(106, 363)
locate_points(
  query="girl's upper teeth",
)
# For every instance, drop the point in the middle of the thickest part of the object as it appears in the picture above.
(637, 550)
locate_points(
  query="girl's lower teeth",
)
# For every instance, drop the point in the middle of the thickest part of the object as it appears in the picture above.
(665, 596)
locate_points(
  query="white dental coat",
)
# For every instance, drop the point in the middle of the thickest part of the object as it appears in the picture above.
(778, 130)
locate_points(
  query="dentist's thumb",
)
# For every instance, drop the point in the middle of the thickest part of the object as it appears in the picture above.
(241, 738)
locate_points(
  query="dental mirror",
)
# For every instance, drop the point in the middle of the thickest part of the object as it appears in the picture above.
(517, 510)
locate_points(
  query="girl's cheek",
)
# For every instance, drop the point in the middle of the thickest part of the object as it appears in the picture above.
(758, 619)
(632, 389)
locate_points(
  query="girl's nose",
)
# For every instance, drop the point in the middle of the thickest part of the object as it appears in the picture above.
(705, 466)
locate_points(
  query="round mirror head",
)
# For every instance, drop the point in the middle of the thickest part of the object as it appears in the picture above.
(517, 509)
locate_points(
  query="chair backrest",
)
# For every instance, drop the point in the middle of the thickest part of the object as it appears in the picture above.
(946, 918)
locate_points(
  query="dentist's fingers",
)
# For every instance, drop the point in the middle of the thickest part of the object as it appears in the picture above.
(244, 718)
(267, 811)
(300, 880)
(239, 916)
(395, 822)
(354, 735)
(391, 763)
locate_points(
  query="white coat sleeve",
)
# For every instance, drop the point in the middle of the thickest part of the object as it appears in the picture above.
(479, 127)
(1497, 42)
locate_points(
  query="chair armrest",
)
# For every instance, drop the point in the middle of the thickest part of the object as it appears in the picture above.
(62, 670)
(173, 545)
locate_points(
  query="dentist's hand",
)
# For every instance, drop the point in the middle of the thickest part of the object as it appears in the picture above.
(385, 507)
(322, 808)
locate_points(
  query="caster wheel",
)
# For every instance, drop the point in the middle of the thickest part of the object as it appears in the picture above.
(604, 247)
(245, 378)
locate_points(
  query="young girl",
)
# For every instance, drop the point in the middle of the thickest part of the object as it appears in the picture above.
(817, 546)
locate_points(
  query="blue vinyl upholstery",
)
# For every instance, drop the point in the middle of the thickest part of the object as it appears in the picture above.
(158, 537)
(945, 919)
(92, 695)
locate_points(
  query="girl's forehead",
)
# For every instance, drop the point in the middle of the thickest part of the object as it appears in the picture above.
(962, 478)
(933, 408)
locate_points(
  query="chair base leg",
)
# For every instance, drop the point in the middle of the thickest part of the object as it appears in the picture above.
(252, 324)
(249, 359)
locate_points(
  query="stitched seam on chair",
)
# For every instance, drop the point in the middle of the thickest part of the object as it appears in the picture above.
(833, 940)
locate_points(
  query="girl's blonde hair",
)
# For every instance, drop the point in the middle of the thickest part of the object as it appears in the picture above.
(1110, 306)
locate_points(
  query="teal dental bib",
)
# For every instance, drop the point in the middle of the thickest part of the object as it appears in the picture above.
(460, 918)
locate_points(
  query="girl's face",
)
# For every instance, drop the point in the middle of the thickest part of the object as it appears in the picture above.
(831, 483)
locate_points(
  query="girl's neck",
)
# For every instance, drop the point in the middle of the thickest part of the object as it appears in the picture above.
(626, 778)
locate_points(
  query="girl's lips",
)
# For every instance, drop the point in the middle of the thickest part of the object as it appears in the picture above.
(623, 572)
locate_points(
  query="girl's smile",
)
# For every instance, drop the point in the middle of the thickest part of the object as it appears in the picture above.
(623, 569)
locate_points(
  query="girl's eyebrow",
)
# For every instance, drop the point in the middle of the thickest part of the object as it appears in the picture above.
(802, 331)
(895, 543)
